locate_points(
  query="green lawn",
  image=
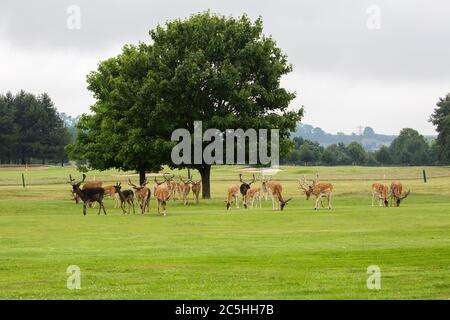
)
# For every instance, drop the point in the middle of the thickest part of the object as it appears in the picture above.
(206, 252)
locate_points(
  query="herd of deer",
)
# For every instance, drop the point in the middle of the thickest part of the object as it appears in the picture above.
(94, 192)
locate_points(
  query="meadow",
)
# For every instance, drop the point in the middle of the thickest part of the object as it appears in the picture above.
(206, 252)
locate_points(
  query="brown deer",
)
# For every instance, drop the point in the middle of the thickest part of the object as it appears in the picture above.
(275, 191)
(196, 186)
(396, 193)
(245, 186)
(126, 196)
(254, 194)
(233, 193)
(88, 195)
(111, 191)
(319, 190)
(266, 184)
(185, 189)
(143, 195)
(162, 194)
(381, 191)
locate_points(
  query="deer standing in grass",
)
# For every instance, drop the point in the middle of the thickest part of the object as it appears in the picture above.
(275, 192)
(185, 189)
(245, 186)
(266, 185)
(319, 190)
(111, 191)
(232, 194)
(143, 195)
(126, 196)
(380, 191)
(196, 186)
(252, 195)
(88, 195)
(396, 193)
(162, 194)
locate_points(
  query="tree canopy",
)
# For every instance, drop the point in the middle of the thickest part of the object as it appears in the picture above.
(441, 119)
(219, 70)
(31, 129)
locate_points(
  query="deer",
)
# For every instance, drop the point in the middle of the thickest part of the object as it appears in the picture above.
(275, 192)
(87, 185)
(266, 184)
(232, 193)
(185, 188)
(396, 193)
(162, 194)
(143, 195)
(319, 190)
(381, 191)
(254, 194)
(196, 186)
(111, 191)
(88, 195)
(245, 186)
(126, 196)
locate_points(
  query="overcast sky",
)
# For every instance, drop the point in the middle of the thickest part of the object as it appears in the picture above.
(347, 71)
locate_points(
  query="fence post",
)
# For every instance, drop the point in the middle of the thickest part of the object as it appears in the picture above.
(23, 180)
(424, 176)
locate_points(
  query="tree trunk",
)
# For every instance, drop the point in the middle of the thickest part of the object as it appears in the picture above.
(205, 173)
(141, 176)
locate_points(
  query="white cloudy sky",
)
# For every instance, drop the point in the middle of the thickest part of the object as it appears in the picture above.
(345, 74)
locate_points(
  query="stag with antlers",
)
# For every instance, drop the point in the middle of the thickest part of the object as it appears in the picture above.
(275, 193)
(318, 189)
(162, 193)
(396, 193)
(245, 186)
(143, 195)
(88, 195)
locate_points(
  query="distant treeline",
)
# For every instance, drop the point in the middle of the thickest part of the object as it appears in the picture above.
(31, 130)
(409, 148)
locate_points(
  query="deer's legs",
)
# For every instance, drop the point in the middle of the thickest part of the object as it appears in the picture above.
(319, 199)
(329, 201)
(132, 203)
(236, 201)
(84, 208)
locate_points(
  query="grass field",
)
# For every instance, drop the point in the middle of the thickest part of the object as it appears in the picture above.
(206, 252)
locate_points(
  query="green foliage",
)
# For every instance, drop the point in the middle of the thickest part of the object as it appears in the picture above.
(219, 70)
(441, 119)
(30, 129)
(410, 148)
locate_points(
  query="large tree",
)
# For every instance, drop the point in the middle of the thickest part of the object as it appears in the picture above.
(410, 147)
(441, 119)
(219, 70)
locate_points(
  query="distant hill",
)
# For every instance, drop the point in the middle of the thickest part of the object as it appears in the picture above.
(370, 140)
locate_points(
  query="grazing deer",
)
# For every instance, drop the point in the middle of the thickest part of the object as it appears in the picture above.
(233, 193)
(143, 195)
(275, 192)
(254, 194)
(186, 188)
(111, 191)
(245, 186)
(196, 188)
(319, 190)
(396, 193)
(162, 194)
(88, 195)
(381, 191)
(126, 196)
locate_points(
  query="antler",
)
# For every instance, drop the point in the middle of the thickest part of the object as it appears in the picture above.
(158, 183)
(131, 184)
(240, 177)
(405, 195)
(254, 179)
